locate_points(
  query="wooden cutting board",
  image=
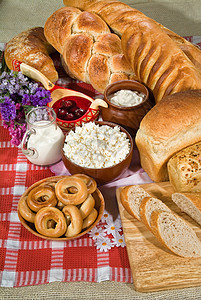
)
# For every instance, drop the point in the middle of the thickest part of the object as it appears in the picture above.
(153, 266)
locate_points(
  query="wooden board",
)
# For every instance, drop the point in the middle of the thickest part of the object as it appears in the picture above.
(153, 266)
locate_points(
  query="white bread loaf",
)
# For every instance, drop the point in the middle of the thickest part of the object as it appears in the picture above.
(175, 234)
(170, 126)
(190, 203)
(32, 48)
(90, 52)
(131, 198)
(184, 169)
(147, 206)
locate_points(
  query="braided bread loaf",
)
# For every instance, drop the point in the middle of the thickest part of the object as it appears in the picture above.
(32, 48)
(161, 59)
(90, 52)
(119, 16)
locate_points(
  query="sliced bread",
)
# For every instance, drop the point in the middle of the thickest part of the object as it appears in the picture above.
(175, 234)
(190, 203)
(131, 198)
(147, 206)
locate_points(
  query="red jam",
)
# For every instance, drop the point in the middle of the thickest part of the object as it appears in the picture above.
(71, 108)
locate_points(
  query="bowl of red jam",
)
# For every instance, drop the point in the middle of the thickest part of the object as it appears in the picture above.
(72, 111)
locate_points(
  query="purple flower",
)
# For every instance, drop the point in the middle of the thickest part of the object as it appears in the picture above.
(18, 95)
(8, 110)
(26, 100)
(17, 132)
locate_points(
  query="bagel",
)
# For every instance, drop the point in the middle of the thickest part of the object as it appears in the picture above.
(41, 196)
(45, 217)
(76, 220)
(90, 182)
(87, 206)
(65, 196)
(90, 219)
(25, 211)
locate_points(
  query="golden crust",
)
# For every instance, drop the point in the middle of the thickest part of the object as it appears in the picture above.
(32, 48)
(89, 51)
(158, 61)
(170, 126)
(58, 26)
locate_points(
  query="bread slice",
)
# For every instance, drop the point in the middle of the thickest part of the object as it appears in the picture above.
(131, 198)
(190, 203)
(175, 234)
(147, 206)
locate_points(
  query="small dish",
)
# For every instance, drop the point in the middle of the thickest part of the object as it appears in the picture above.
(102, 175)
(129, 117)
(91, 113)
(99, 205)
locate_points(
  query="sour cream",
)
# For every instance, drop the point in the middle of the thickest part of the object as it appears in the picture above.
(126, 98)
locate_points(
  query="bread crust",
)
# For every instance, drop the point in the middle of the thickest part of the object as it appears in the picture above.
(184, 169)
(167, 69)
(32, 48)
(119, 16)
(124, 201)
(90, 52)
(157, 204)
(170, 126)
(58, 26)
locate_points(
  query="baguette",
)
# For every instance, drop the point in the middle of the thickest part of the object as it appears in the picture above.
(147, 206)
(170, 126)
(175, 234)
(32, 48)
(131, 198)
(119, 16)
(89, 51)
(184, 169)
(190, 203)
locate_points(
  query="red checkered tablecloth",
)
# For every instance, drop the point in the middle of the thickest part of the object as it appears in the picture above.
(28, 260)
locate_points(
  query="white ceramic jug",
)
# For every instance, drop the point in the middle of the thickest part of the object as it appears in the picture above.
(43, 140)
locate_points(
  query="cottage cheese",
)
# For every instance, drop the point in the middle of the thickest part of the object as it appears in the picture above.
(96, 146)
(126, 98)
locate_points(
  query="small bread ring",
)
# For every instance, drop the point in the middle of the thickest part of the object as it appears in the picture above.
(25, 211)
(90, 182)
(41, 196)
(43, 218)
(75, 226)
(49, 183)
(63, 194)
(88, 221)
(87, 206)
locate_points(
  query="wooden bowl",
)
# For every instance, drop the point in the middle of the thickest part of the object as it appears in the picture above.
(103, 175)
(129, 117)
(99, 205)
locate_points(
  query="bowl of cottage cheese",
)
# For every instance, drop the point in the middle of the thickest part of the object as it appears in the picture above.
(101, 150)
(128, 102)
